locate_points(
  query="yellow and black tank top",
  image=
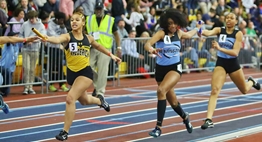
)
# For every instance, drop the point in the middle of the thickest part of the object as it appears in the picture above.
(77, 53)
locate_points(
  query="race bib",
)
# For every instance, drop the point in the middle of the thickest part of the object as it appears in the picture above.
(96, 35)
(222, 38)
(167, 39)
(73, 47)
(179, 67)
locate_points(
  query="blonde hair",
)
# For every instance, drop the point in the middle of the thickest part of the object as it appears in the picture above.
(145, 34)
(6, 10)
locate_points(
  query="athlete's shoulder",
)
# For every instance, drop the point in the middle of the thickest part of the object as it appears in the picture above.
(237, 29)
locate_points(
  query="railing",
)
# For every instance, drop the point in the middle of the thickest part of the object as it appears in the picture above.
(14, 73)
(196, 55)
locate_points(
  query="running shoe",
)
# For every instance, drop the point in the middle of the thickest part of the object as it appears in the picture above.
(63, 135)
(104, 104)
(155, 133)
(187, 123)
(3, 105)
(5, 108)
(256, 85)
(208, 124)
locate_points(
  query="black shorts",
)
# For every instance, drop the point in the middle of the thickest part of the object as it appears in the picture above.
(86, 72)
(161, 71)
(230, 65)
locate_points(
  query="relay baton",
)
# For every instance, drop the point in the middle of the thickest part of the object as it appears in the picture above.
(200, 31)
(38, 33)
(199, 23)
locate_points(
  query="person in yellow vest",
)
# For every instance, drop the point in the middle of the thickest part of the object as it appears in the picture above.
(77, 47)
(103, 28)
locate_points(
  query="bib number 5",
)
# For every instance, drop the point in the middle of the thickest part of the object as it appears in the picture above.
(73, 47)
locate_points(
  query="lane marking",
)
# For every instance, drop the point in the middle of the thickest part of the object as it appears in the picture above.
(231, 134)
(198, 127)
(118, 89)
(139, 123)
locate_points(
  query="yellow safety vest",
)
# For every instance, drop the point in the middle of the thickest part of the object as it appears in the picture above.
(105, 29)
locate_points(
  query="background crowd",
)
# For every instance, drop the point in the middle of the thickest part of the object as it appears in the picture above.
(133, 18)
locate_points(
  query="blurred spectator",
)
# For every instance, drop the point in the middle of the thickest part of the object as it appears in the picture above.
(19, 15)
(191, 6)
(144, 5)
(103, 28)
(204, 5)
(250, 29)
(159, 5)
(3, 6)
(32, 4)
(88, 6)
(56, 27)
(191, 54)
(11, 6)
(208, 18)
(30, 51)
(233, 3)
(222, 7)
(175, 3)
(220, 21)
(238, 12)
(136, 20)
(150, 59)
(121, 29)
(44, 16)
(51, 6)
(258, 28)
(3, 16)
(202, 50)
(67, 7)
(248, 4)
(246, 51)
(151, 18)
(195, 22)
(39, 3)
(8, 63)
(212, 62)
(118, 9)
(25, 5)
(242, 24)
(130, 54)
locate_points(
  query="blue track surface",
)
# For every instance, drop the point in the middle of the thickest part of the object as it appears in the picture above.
(81, 126)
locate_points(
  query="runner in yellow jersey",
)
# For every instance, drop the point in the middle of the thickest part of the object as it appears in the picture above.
(79, 72)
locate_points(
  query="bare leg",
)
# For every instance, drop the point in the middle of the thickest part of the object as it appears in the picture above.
(218, 80)
(169, 81)
(78, 88)
(239, 79)
(86, 99)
